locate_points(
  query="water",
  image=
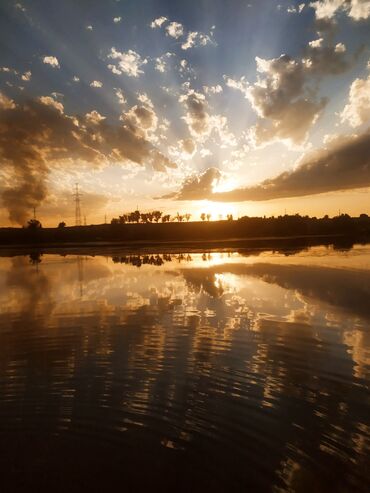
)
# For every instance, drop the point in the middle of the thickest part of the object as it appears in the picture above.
(221, 371)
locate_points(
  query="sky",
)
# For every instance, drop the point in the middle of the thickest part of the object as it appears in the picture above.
(243, 107)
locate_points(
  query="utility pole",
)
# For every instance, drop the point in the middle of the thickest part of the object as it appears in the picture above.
(34, 213)
(77, 198)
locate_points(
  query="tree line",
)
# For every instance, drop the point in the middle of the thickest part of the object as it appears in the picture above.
(157, 216)
(293, 222)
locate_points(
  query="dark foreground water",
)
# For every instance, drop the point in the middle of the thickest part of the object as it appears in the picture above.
(186, 372)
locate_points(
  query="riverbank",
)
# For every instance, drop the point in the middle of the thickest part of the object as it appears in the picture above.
(292, 243)
(251, 229)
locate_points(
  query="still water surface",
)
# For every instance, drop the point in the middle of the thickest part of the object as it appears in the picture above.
(233, 371)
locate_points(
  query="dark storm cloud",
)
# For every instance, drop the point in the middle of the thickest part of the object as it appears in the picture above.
(38, 136)
(343, 165)
(197, 187)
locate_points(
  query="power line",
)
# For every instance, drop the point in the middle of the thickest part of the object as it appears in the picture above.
(77, 199)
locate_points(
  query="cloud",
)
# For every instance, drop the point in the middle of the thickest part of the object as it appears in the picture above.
(51, 60)
(201, 123)
(185, 68)
(27, 76)
(195, 39)
(197, 187)
(240, 85)
(128, 62)
(6, 103)
(188, 146)
(212, 89)
(37, 136)
(197, 117)
(360, 9)
(49, 101)
(158, 22)
(184, 150)
(161, 62)
(175, 30)
(327, 9)
(8, 70)
(219, 124)
(120, 96)
(116, 20)
(96, 83)
(89, 28)
(190, 40)
(345, 289)
(284, 96)
(295, 10)
(323, 59)
(20, 7)
(204, 152)
(94, 117)
(279, 99)
(342, 165)
(141, 117)
(357, 110)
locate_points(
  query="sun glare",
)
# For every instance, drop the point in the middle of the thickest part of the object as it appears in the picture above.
(224, 185)
(217, 210)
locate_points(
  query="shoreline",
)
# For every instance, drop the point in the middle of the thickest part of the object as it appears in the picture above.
(144, 246)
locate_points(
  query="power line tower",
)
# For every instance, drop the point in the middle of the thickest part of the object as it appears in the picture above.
(77, 198)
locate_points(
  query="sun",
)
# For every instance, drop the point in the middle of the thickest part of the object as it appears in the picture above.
(217, 210)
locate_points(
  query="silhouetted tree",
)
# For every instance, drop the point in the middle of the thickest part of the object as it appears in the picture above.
(209, 216)
(134, 217)
(34, 224)
(62, 224)
(187, 217)
(166, 218)
(157, 215)
(203, 216)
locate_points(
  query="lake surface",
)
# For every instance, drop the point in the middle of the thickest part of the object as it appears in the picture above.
(223, 371)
